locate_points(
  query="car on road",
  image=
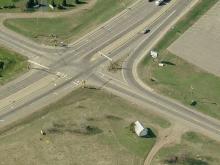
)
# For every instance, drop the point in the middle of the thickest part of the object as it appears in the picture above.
(146, 31)
(159, 2)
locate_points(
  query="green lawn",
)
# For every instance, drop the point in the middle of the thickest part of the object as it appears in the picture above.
(8, 2)
(194, 149)
(86, 127)
(69, 28)
(179, 79)
(13, 65)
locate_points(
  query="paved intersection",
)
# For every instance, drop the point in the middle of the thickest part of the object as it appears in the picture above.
(58, 71)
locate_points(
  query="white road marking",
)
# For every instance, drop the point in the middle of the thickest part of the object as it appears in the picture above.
(114, 79)
(2, 120)
(62, 75)
(101, 74)
(76, 82)
(55, 93)
(35, 63)
(123, 76)
(58, 74)
(102, 54)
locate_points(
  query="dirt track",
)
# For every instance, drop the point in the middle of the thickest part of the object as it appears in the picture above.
(169, 136)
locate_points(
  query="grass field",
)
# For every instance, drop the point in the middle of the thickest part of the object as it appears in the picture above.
(12, 65)
(8, 2)
(69, 28)
(194, 149)
(179, 79)
(87, 127)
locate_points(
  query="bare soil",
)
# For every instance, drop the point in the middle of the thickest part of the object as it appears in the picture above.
(200, 44)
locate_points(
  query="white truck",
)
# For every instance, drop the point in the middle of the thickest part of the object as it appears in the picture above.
(159, 2)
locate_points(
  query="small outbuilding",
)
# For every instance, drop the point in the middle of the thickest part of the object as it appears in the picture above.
(139, 129)
(161, 64)
(154, 54)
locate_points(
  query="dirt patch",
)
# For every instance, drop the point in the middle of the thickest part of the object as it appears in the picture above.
(200, 44)
(86, 126)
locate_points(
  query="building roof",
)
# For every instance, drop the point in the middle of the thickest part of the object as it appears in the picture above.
(139, 128)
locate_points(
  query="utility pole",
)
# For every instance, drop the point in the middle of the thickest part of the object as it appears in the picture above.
(83, 83)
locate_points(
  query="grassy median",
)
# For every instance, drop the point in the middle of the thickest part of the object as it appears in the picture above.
(70, 27)
(88, 126)
(179, 79)
(11, 65)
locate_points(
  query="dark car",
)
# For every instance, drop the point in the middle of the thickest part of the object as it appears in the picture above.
(146, 31)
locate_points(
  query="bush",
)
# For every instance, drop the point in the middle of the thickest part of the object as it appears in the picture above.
(61, 7)
(9, 6)
(2, 65)
(132, 127)
(112, 117)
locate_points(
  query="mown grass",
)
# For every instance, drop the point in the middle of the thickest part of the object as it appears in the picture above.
(86, 127)
(13, 65)
(194, 149)
(7, 2)
(179, 79)
(70, 27)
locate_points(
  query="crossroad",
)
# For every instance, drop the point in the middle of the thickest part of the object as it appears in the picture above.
(58, 71)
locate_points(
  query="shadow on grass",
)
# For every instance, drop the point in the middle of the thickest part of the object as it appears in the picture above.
(91, 87)
(81, 2)
(167, 63)
(150, 134)
(70, 5)
(165, 2)
(185, 159)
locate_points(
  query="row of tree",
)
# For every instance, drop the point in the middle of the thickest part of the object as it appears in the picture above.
(32, 3)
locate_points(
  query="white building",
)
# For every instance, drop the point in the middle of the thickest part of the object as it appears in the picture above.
(139, 129)
(154, 54)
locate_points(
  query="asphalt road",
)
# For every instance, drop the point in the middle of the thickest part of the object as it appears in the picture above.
(64, 68)
(147, 97)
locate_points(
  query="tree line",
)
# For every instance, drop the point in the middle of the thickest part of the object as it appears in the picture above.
(33, 3)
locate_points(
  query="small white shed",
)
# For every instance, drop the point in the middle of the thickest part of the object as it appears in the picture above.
(139, 129)
(154, 54)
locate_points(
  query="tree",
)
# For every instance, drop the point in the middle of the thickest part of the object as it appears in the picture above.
(77, 1)
(64, 3)
(2, 64)
(30, 4)
(36, 2)
(53, 3)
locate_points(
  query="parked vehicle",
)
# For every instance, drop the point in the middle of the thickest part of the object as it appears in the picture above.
(159, 2)
(146, 31)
